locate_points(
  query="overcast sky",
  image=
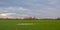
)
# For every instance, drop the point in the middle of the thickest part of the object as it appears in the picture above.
(37, 8)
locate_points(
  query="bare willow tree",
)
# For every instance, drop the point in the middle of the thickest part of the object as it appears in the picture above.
(58, 18)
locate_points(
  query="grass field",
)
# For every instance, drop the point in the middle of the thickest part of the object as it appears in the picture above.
(35, 25)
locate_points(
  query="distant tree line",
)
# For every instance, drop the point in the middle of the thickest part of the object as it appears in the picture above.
(28, 18)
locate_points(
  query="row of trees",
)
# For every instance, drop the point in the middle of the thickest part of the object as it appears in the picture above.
(30, 18)
(26, 18)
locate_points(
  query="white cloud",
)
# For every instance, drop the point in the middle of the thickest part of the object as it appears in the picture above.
(23, 15)
(12, 9)
(13, 15)
(15, 8)
(6, 15)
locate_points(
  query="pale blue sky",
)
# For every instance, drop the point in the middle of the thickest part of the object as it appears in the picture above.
(38, 8)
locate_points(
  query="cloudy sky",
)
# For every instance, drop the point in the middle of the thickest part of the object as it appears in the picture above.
(23, 8)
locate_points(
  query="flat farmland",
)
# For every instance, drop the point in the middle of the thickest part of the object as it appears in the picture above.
(29, 24)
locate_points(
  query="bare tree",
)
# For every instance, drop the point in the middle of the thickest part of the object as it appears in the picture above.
(58, 18)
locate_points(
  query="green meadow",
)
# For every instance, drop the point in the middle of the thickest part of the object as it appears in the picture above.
(29, 24)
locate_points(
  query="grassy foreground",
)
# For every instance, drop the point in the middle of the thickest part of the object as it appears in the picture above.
(37, 25)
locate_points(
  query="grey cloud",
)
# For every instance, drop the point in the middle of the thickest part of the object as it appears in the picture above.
(39, 8)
